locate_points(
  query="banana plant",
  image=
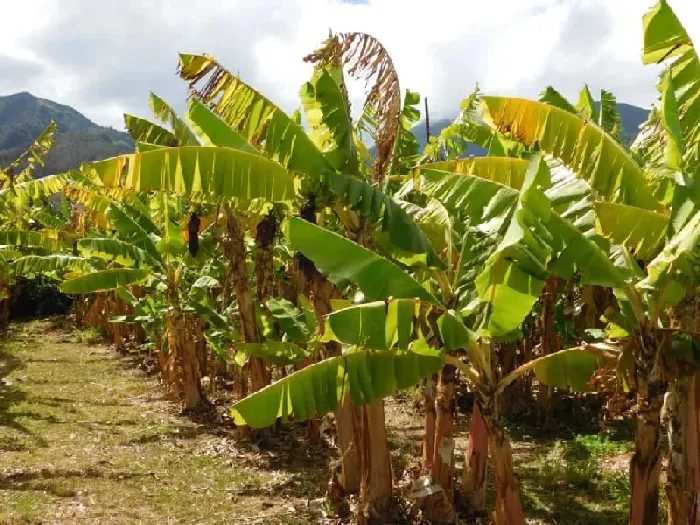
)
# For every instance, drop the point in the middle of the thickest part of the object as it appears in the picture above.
(648, 227)
(329, 162)
(604, 115)
(30, 223)
(669, 143)
(140, 253)
(20, 170)
(14, 246)
(453, 141)
(585, 148)
(509, 282)
(644, 231)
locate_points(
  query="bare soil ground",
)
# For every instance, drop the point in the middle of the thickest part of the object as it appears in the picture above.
(86, 437)
(566, 478)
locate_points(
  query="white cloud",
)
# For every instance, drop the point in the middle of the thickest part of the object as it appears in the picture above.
(104, 57)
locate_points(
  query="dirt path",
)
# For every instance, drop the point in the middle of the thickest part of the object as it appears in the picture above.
(87, 438)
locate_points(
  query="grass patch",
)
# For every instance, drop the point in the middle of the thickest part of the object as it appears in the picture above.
(597, 445)
(578, 481)
(574, 493)
(86, 438)
(88, 336)
(26, 508)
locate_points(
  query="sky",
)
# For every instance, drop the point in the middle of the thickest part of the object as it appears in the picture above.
(103, 57)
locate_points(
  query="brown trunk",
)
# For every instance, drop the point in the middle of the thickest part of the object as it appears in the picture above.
(473, 489)
(693, 448)
(238, 275)
(682, 418)
(264, 272)
(507, 353)
(5, 305)
(508, 508)
(200, 344)
(549, 342)
(4, 312)
(429, 426)
(345, 419)
(439, 507)
(181, 348)
(164, 364)
(310, 283)
(221, 367)
(79, 310)
(523, 386)
(375, 461)
(377, 479)
(443, 453)
(240, 378)
(678, 477)
(589, 314)
(260, 376)
(347, 416)
(683, 473)
(645, 465)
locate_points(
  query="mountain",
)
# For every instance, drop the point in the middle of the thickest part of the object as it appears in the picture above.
(632, 117)
(23, 117)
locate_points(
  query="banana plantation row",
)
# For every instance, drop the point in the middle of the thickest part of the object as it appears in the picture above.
(238, 241)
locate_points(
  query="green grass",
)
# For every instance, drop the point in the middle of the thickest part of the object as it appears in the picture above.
(87, 438)
(600, 445)
(89, 336)
(577, 481)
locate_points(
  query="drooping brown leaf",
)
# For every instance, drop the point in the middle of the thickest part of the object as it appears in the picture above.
(366, 59)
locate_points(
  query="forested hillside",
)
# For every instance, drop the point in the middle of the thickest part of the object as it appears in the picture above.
(23, 117)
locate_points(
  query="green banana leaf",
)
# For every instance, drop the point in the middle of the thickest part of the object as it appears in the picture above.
(105, 280)
(401, 235)
(166, 114)
(23, 195)
(115, 250)
(210, 173)
(641, 231)
(328, 114)
(142, 130)
(507, 171)
(406, 149)
(291, 320)
(212, 130)
(514, 274)
(569, 369)
(48, 241)
(276, 352)
(675, 270)
(320, 387)
(344, 261)
(470, 196)
(37, 264)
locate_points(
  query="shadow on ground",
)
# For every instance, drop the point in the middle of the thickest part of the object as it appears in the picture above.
(12, 394)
